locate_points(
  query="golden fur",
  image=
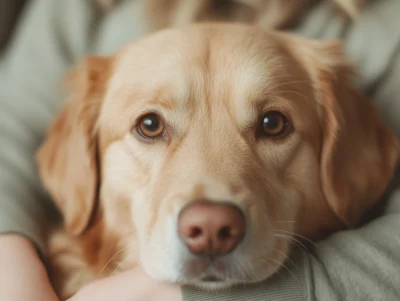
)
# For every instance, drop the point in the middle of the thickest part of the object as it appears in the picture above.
(120, 195)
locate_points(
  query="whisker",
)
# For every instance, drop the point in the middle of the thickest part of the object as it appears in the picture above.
(285, 267)
(117, 267)
(108, 262)
(293, 240)
(286, 257)
(249, 271)
(268, 265)
(119, 264)
(298, 235)
(241, 268)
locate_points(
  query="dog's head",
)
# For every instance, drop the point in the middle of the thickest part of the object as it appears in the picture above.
(209, 149)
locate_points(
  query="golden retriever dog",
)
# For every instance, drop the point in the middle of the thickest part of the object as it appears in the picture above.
(202, 153)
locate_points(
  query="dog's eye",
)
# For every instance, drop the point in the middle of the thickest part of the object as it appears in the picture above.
(151, 126)
(274, 124)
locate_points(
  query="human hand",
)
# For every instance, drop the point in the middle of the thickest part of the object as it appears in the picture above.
(132, 285)
(23, 276)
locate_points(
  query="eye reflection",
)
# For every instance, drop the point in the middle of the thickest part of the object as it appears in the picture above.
(274, 124)
(151, 126)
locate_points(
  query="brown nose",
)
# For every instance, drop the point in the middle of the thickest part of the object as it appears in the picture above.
(211, 228)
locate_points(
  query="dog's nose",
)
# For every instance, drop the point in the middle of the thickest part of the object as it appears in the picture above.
(211, 228)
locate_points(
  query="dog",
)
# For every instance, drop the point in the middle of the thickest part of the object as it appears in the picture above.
(201, 153)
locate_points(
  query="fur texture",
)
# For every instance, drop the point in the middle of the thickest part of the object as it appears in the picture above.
(211, 85)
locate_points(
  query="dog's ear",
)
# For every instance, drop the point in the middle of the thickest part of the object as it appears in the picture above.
(359, 151)
(359, 154)
(67, 160)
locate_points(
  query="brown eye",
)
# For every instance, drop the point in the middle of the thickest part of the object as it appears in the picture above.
(151, 126)
(274, 124)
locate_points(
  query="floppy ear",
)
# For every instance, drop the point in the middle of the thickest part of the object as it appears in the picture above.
(359, 151)
(67, 160)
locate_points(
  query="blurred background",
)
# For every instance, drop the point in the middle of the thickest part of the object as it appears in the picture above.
(10, 10)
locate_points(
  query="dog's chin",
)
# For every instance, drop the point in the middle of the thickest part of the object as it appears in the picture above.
(224, 272)
(210, 277)
(214, 281)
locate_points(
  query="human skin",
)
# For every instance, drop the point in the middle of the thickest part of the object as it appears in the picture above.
(133, 285)
(23, 277)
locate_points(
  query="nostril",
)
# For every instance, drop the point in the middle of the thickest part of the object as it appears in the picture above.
(195, 232)
(224, 232)
(213, 229)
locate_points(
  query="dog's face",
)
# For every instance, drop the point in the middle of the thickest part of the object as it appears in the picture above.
(209, 119)
(214, 147)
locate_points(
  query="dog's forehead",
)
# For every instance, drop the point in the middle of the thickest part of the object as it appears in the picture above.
(201, 68)
(241, 57)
